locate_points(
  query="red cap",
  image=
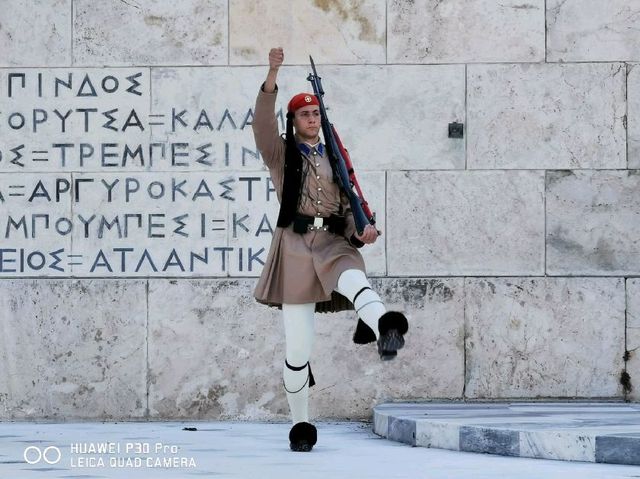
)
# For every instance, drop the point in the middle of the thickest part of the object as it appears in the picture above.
(300, 100)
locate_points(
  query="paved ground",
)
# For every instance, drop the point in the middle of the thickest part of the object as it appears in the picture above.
(260, 451)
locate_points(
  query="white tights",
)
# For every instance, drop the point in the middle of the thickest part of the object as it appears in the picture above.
(299, 336)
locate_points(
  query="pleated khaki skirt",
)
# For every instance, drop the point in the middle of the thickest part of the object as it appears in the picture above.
(305, 269)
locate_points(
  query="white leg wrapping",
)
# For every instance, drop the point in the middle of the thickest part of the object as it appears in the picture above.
(299, 332)
(368, 304)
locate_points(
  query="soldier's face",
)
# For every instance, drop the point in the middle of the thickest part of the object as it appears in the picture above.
(306, 121)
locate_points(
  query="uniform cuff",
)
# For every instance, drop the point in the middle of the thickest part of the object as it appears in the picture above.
(356, 242)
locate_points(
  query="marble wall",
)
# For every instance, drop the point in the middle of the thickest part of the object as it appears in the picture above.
(136, 213)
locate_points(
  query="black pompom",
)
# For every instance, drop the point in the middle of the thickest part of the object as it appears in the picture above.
(303, 437)
(393, 320)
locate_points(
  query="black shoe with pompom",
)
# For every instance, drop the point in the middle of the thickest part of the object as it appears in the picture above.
(392, 326)
(302, 437)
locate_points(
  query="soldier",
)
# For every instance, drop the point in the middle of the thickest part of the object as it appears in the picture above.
(313, 263)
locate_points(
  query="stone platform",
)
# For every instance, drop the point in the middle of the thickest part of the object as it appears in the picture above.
(570, 431)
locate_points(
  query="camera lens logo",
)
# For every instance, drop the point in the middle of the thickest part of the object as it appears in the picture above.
(50, 455)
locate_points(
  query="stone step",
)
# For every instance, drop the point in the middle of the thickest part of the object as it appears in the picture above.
(607, 432)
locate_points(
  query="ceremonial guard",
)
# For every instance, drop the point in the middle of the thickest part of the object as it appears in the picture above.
(313, 263)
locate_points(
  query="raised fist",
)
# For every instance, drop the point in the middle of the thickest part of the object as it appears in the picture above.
(276, 57)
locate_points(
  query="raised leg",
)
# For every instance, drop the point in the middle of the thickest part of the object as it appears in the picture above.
(374, 323)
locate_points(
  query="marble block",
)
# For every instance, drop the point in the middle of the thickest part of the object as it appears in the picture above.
(142, 224)
(491, 441)
(77, 349)
(239, 344)
(633, 336)
(214, 352)
(396, 117)
(592, 31)
(544, 337)
(633, 118)
(440, 435)
(381, 423)
(402, 430)
(433, 31)
(560, 445)
(547, 116)
(373, 184)
(75, 119)
(157, 32)
(618, 450)
(350, 31)
(36, 225)
(35, 33)
(208, 113)
(593, 222)
(465, 223)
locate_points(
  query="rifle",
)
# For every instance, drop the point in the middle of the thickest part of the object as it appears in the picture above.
(341, 162)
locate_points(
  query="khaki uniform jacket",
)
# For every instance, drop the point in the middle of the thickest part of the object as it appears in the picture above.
(303, 268)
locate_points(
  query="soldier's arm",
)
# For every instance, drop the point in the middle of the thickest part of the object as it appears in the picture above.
(369, 235)
(265, 124)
